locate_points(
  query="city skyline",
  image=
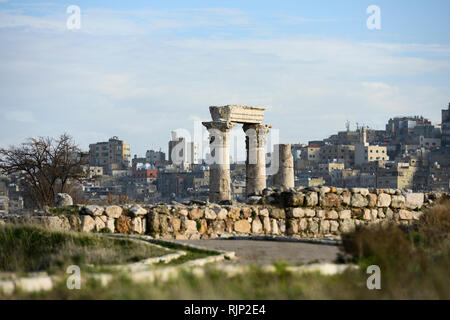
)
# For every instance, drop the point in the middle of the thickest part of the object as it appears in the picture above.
(140, 71)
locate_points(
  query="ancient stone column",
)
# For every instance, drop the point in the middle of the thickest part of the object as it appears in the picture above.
(219, 160)
(284, 178)
(255, 143)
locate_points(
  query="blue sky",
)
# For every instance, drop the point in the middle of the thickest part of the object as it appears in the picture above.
(139, 69)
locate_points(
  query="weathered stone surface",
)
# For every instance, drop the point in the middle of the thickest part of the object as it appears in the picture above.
(190, 226)
(405, 215)
(62, 200)
(137, 210)
(345, 214)
(311, 199)
(359, 201)
(266, 223)
(203, 226)
(87, 223)
(398, 201)
(293, 199)
(242, 226)
(292, 227)
(264, 212)
(210, 214)
(234, 213)
(367, 215)
(384, 200)
(331, 214)
(303, 224)
(325, 226)
(123, 224)
(295, 213)
(219, 226)
(414, 200)
(334, 226)
(221, 213)
(372, 200)
(309, 212)
(246, 212)
(136, 225)
(99, 223)
(275, 228)
(313, 227)
(183, 212)
(364, 191)
(176, 224)
(196, 213)
(346, 225)
(277, 213)
(257, 226)
(110, 225)
(346, 197)
(93, 210)
(113, 211)
(75, 222)
(331, 200)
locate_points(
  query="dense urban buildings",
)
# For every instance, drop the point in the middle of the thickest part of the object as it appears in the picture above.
(412, 153)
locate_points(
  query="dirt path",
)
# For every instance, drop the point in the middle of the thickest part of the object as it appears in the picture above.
(267, 252)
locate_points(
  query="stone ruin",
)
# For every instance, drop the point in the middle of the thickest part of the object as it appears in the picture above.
(224, 120)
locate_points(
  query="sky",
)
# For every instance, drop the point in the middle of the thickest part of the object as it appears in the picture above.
(140, 69)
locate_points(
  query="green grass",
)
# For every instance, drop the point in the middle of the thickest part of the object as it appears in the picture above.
(191, 253)
(26, 248)
(68, 210)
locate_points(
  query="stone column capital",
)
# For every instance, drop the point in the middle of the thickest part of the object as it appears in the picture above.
(223, 126)
(258, 127)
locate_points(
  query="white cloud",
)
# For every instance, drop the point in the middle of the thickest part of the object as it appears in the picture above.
(141, 87)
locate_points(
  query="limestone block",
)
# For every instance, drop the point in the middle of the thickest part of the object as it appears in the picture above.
(292, 227)
(234, 213)
(414, 200)
(62, 200)
(123, 224)
(359, 201)
(210, 214)
(398, 201)
(405, 215)
(221, 213)
(113, 211)
(334, 226)
(266, 223)
(345, 214)
(136, 225)
(87, 223)
(372, 199)
(264, 212)
(295, 213)
(332, 215)
(110, 224)
(242, 226)
(331, 200)
(384, 200)
(325, 226)
(99, 223)
(195, 213)
(93, 210)
(277, 213)
(311, 199)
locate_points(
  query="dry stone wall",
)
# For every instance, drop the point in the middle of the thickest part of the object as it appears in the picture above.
(308, 212)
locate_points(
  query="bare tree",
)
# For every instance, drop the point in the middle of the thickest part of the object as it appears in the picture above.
(47, 165)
